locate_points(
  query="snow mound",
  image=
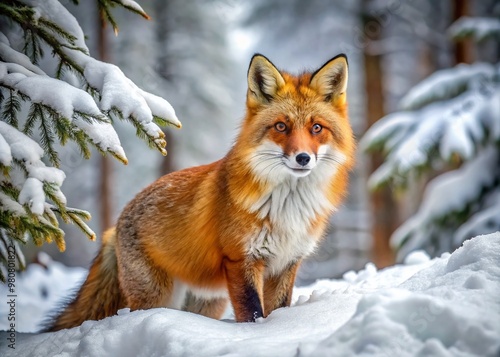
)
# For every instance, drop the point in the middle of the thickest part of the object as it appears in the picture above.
(446, 306)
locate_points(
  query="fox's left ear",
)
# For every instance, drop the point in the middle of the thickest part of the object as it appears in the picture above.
(331, 80)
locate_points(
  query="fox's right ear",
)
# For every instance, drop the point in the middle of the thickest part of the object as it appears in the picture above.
(264, 79)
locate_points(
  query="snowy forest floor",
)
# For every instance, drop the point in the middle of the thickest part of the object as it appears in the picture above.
(447, 306)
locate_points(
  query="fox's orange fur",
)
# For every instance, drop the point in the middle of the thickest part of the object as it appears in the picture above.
(236, 229)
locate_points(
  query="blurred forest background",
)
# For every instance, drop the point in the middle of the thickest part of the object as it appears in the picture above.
(195, 54)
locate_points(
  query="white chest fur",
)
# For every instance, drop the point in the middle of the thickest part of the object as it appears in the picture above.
(287, 214)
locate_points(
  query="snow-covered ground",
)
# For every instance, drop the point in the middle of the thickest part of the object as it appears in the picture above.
(448, 306)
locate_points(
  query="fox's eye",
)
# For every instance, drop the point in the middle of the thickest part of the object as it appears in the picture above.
(280, 126)
(316, 128)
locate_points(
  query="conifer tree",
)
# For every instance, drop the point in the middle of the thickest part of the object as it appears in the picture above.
(42, 111)
(450, 119)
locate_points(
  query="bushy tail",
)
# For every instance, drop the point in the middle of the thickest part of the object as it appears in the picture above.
(100, 295)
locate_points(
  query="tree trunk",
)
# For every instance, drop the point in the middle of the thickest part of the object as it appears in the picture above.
(105, 165)
(383, 206)
(166, 164)
(463, 48)
(162, 10)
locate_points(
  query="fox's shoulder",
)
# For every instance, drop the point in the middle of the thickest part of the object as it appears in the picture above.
(187, 179)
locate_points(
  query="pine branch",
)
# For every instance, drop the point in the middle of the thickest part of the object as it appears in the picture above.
(10, 110)
(134, 7)
(75, 219)
(77, 216)
(17, 220)
(30, 120)
(52, 191)
(154, 143)
(58, 30)
(81, 139)
(62, 126)
(60, 69)
(47, 136)
(32, 47)
(158, 143)
(104, 10)
(161, 121)
(37, 30)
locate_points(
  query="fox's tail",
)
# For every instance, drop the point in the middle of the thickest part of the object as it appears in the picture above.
(100, 294)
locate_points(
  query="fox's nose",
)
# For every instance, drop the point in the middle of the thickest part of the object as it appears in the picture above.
(302, 159)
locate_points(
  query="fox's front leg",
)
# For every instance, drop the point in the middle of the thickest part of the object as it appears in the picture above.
(278, 288)
(245, 284)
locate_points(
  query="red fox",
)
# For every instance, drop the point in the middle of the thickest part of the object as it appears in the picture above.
(236, 229)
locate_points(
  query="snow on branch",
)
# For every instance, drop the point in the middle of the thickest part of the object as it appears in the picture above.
(132, 6)
(116, 93)
(60, 109)
(68, 103)
(486, 219)
(25, 200)
(448, 83)
(453, 116)
(455, 128)
(479, 28)
(448, 195)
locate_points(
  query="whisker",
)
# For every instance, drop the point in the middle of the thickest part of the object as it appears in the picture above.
(330, 159)
(267, 154)
(278, 164)
(271, 164)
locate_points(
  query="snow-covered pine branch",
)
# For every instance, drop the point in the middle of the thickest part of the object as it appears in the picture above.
(61, 109)
(466, 199)
(452, 116)
(450, 130)
(476, 27)
(449, 83)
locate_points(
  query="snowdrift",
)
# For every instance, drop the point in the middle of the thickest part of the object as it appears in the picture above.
(448, 306)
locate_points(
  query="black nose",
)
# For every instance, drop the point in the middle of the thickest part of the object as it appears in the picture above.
(302, 159)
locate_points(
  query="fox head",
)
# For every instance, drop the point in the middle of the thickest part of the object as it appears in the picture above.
(297, 126)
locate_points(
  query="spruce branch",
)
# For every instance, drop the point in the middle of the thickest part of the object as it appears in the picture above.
(47, 137)
(32, 209)
(105, 7)
(11, 108)
(132, 6)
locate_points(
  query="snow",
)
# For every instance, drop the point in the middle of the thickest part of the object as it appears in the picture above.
(27, 151)
(444, 194)
(455, 127)
(447, 83)
(447, 306)
(416, 257)
(120, 92)
(11, 206)
(32, 194)
(62, 97)
(54, 11)
(68, 101)
(130, 4)
(481, 221)
(5, 153)
(22, 147)
(479, 27)
(9, 55)
(115, 89)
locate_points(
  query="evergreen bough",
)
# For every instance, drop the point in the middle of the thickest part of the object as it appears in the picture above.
(41, 112)
(451, 117)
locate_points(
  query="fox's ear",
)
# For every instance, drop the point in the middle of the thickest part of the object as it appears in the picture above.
(264, 79)
(331, 80)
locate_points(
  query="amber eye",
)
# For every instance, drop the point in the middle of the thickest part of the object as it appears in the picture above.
(280, 126)
(316, 128)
